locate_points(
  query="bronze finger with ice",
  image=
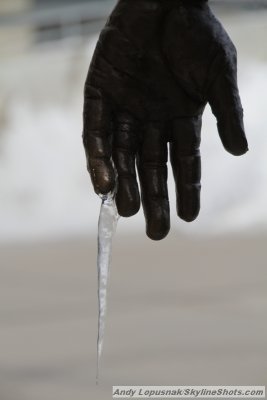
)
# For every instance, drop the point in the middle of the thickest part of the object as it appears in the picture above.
(97, 140)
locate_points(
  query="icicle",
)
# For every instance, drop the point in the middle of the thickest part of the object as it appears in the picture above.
(107, 224)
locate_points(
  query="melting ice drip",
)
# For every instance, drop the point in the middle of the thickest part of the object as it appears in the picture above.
(107, 224)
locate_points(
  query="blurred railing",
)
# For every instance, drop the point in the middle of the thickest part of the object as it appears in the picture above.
(240, 4)
(24, 28)
(53, 21)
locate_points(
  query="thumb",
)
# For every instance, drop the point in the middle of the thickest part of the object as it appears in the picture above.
(226, 105)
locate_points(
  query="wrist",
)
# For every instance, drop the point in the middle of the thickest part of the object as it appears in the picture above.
(185, 2)
(189, 3)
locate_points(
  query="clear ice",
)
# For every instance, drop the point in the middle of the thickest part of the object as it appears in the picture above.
(107, 224)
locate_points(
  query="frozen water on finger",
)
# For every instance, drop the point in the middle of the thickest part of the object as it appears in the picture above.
(107, 224)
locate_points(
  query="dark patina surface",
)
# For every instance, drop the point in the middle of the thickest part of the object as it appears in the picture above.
(156, 66)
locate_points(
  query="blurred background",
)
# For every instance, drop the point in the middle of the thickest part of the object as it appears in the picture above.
(190, 310)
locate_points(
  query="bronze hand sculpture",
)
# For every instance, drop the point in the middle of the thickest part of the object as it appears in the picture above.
(156, 66)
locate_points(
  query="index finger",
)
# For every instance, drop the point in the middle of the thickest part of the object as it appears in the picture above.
(97, 136)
